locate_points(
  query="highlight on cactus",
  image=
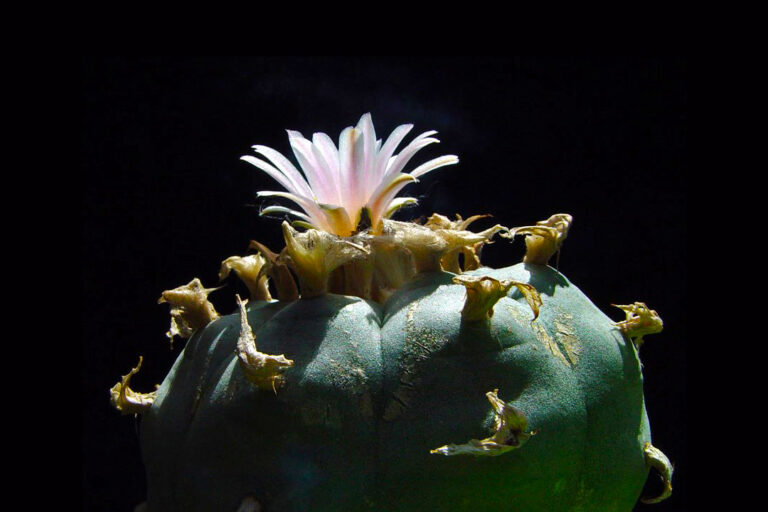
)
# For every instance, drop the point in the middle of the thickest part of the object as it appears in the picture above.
(358, 374)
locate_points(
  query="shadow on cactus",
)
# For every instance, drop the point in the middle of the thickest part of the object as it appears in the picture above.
(378, 365)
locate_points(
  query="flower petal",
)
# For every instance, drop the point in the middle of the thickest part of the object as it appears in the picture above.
(434, 164)
(274, 173)
(402, 159)
(316, 176)
(384, 194)
(287, 168)
(307, 204)
(350, 149)
(327, 157)
(282, 209)
(386, 152)
(365, 168)
(339, 220)
(397, 203)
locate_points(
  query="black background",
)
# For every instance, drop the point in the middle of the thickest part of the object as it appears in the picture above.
(166, 197)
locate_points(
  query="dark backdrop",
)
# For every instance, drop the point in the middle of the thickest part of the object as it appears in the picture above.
(166, 198)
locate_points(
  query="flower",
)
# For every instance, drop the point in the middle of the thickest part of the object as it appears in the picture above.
(341, 185)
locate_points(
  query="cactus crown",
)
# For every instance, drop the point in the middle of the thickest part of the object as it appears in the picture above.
(345, 196)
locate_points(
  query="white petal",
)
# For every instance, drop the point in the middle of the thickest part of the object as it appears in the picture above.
(434, 164)
(367, 158)
(338, 218)
(274, 173)
(384, 156)
(330, 155)
(350, 146)
(384, 194)
(407, 153)
(307, 204)
(287, 168)
(287, 211)
(330, 175)
(398, 203)
(313, 170)
(328, 149)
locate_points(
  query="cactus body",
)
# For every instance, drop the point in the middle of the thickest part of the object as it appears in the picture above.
(375, 387)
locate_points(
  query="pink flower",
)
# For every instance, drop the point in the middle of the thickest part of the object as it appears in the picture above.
(338, 184)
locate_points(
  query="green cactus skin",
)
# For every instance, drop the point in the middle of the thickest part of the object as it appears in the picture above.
(375, 387)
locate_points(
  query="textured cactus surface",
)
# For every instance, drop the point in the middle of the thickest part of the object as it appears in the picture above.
(376, 387)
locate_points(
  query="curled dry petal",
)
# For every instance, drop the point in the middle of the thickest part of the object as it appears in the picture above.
(429, 244)
(470, 252)
(438, 221)
(263, 370)
(545, 239)
(248, 269)
(510, 432)
(190, 308)
(314, 254)
(483, 292)
(640, 321)
(276, 268)
(656, 459)
(126, 400)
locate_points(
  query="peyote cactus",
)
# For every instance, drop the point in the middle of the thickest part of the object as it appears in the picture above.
(391, 370)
